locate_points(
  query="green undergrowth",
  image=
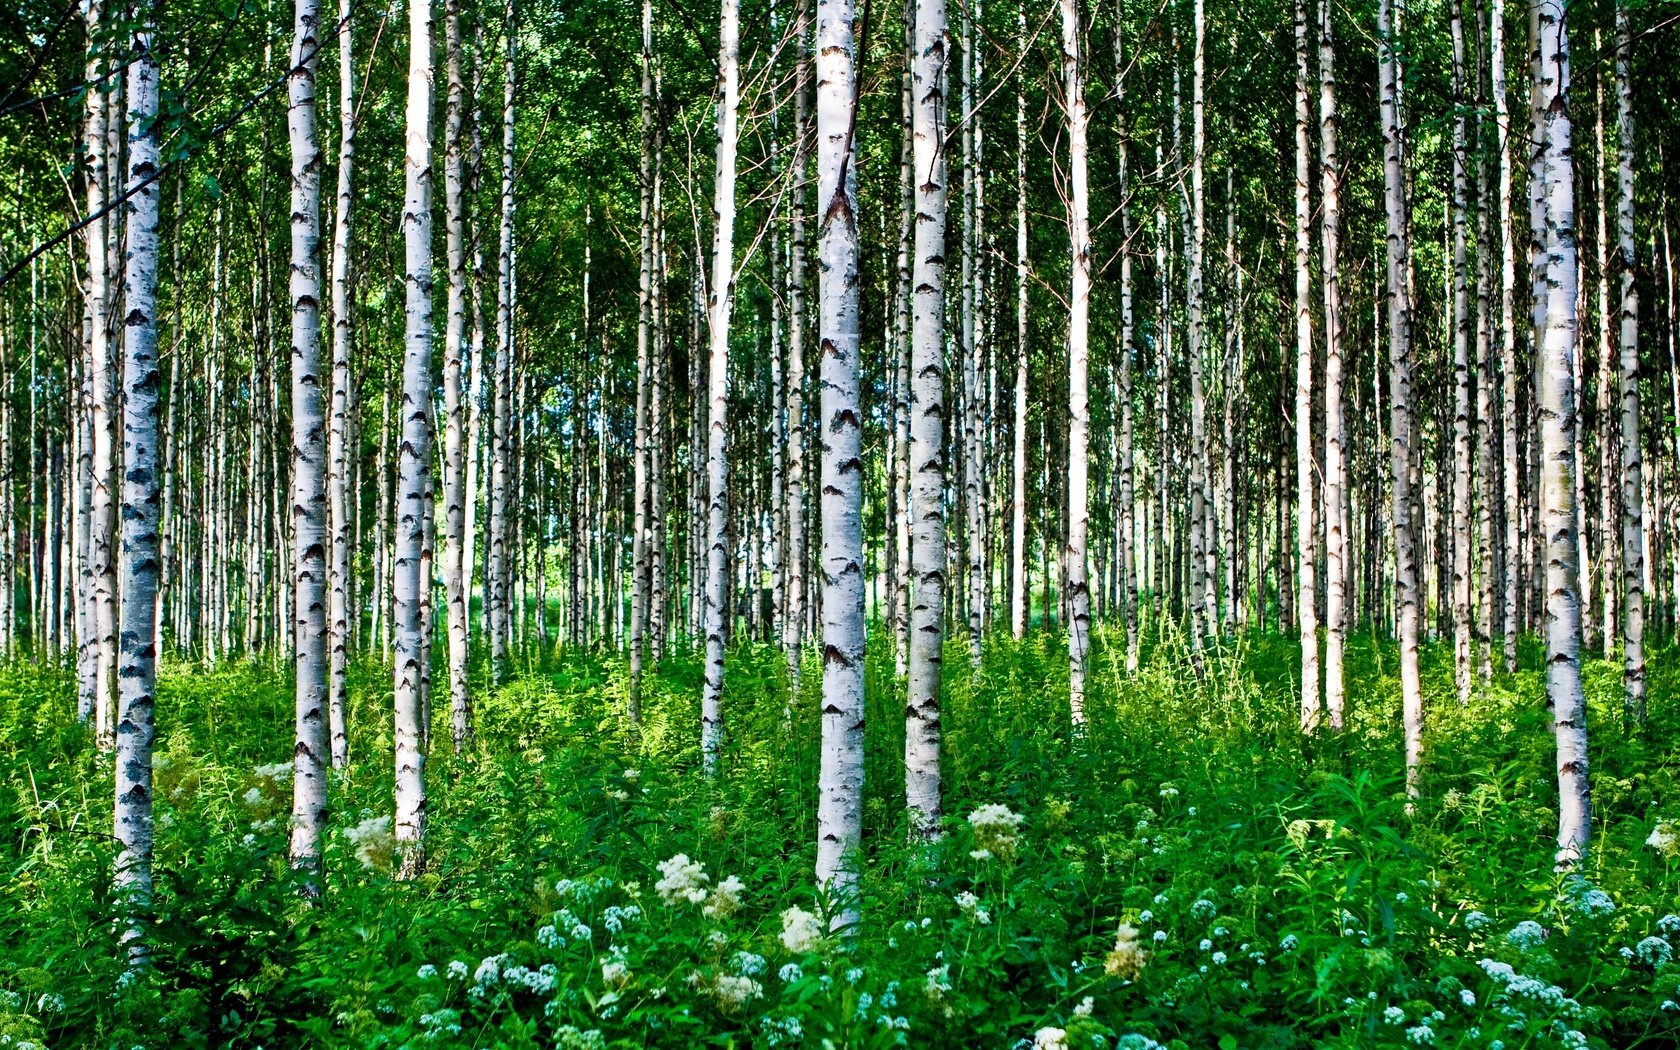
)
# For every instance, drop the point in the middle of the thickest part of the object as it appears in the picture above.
(1185, 871)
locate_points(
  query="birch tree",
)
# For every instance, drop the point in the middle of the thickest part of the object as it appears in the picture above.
(793, 624)
(840, 785)
(720, 296)
(1461, 550)
(310, 756)
(1399, 340)
(1079, 359)
(1633, 523)
(338, 431)
(456, 582)
(922, 739)
(1553, 171)
(141, 497)
(1335, 420)
(1306, 545)
(1511, 575)
(414, 455)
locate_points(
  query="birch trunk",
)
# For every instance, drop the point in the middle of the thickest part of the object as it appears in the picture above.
(414, 455)
(644, 335)
(793, 625)
(1399, 338)
(140, 499)
(1511, 574)
(1079, 359)
(1020, 596)
(931, 50)
(338, 433)
(1305, 520)
(1555, 194)
(496, 566)
(840, 803)
(1633, 525)
(721, 294)
(456, 582)
(901, 357)
(1335, 419)
(96, 297)
(1461, 550)
(311, 754)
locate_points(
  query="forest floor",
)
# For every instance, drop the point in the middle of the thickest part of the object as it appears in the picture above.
(1187, 873)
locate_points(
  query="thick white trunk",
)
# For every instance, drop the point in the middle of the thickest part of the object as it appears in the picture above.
(1555, 194)
(311, 754)
(1511, 549)
(132, 818)
(840, 783)
(96, 296)
(414, 454)
(930, 51)
(721, 293)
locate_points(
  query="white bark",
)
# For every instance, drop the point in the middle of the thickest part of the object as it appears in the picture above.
(1335, 421)
(1020, 598)
(96, 297)
(132, 818)
(931, 50)
(457, 584)
(1461, 550)
(840, 784)
(1079, 356)
(1553, 168)
(793, 624)
(721, 294)
(644, 336)
(1399, 339)
(1633, 526)
(338, 433)
(310, 755)
(1202, 597)
(496, 565)
(1511, 562)
(1128, 342)
(1306, 545)
(414, 455)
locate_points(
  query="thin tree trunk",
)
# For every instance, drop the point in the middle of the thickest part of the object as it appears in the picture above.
(793, 625)
(1020, 596)
(718, 308)
(1203, 606)
(1509, 375)
(140, 503)
(414, 456)
(338, 436)
(456, 582)
(1461, 468)
(1399, 337)
(496, 566)
(1633, 525)
(1128, 342)
(1079, 363)
(1305, 520)
(1335, 417)
(644, 336)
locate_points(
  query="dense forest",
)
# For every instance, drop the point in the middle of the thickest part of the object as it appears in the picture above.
(794, 523)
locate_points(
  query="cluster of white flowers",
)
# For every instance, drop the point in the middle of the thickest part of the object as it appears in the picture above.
(938, 982)
(802, 932)
(372, 840)
(1203, 909)
(681, 880)
(1394, 1015)
(615, 971)
(1289, 943)
(1127, 959)
(1526, 935)
(570, 1037)
(1587, 899)
(1523, 986)
(729, 991)
(970, 904)
(616, 917)
(1422, 1035)
(725, 899)
(440, 1024)
(994, 827)
(1669, 925)
(790, 972)
(426, 972)
(779, 1031)
(1665, 838)
(1477, 920)
(1050, 1039)
(280, 772)
(1654, 952)
(748, 964)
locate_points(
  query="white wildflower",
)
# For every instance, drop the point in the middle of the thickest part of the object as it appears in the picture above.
(802, 931)
(683, 880)
(1050, 1039)
(1525, 935)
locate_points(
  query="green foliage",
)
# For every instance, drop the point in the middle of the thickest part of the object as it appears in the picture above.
(1186, 871)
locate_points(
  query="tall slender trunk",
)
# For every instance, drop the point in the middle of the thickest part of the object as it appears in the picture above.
(1399, 337)
(309, 496)
(644, 336)
(1306, 545)
(1336, 488)
(1202, 598)
(793, 625)
(721, 295)
(1461, 550)
(1511, 576)
(456, 583)
(338, 432)
(1128, 341)
(1488, 496)
(414, 456)
(930, 52)
(1555, 195)
(1633, 524)
(496, 566)
(901, 357)
(840, 788)
(1020, 596)
(134, 728)
(1079, 355)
